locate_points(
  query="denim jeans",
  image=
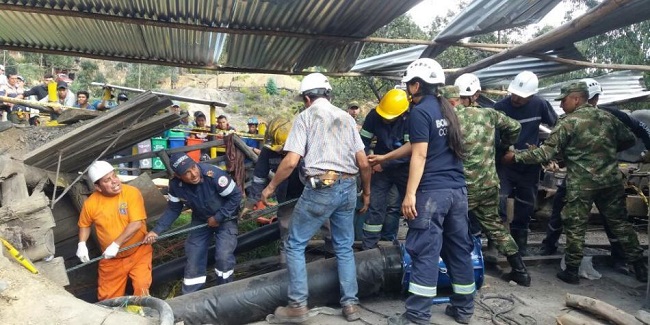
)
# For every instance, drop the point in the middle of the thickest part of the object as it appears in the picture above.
(315, 206)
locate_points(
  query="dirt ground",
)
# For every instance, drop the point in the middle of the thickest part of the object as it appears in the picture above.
(27, 298)
(538, 304)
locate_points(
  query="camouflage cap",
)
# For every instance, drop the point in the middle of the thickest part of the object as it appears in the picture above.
(450, 92)
(352, 104)
(572, 88)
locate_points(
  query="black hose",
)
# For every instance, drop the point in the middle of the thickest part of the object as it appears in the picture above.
(165, 312)
(251, 299)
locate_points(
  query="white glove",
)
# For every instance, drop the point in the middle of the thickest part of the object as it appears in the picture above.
(82, 252)
(111, 250)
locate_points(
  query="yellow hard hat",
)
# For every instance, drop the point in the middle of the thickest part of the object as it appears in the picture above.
(277, 133)
(393, 104)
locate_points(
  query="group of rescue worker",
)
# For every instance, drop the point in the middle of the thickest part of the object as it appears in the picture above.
(428, 152)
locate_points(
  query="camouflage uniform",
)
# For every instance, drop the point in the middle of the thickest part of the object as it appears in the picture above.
(588, 139)
(479, 125)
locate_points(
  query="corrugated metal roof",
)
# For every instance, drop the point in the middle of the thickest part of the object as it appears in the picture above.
(631, 13)
(485, 16)
(618, 87)
(501, 73)
(178, 32)
(394, 64)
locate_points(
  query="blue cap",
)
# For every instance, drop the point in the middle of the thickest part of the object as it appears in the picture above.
(253, 120)
(181, 162)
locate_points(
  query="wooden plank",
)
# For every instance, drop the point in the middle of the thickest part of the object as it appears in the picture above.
(75, 115)
(140, 107)
(53, 270)
(14, 185)
(76, 161)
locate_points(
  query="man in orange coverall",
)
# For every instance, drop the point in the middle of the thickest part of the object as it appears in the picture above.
(117, 210)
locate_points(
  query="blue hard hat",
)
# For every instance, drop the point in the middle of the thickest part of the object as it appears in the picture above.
(253, 120)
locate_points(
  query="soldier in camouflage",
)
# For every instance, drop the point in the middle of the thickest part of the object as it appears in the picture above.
(588, 139)
(479, 125)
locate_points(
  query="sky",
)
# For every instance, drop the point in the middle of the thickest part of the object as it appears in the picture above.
(424, 12)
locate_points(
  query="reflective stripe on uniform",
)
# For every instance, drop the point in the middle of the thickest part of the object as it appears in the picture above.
(259, 180)
(172, 198)
(407, 138)
(366, 134)
(421, 290)
(224, 275)
(464, 289)
(228, 189)
(372, 228)
(193, 281)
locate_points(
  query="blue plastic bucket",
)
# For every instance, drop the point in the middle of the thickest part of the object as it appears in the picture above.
(176, 142)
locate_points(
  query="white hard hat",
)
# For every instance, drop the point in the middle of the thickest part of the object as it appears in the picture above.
(313, 82)
(594, 87)
(98, 170)
(468, 84)
(426, 69)
(524, 85)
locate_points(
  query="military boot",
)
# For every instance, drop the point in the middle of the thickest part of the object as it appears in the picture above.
(640, 270)
(570, 275)
(521, 238)
(519, 274)
(491, 255)
(618, 257)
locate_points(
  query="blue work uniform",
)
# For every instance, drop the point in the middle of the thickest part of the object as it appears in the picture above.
(216, 195)
(522, 179)
(441, 226)
(269, 161)
(387, 188)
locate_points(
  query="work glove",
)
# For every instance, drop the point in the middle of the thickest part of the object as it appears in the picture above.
(82, 252)
(111, 250)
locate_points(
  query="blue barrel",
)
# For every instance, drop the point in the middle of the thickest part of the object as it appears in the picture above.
(444, 281)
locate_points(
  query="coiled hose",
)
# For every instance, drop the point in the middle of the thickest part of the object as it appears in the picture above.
(165, 312)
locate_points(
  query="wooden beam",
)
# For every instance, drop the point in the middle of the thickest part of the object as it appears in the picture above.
(548, 40)
(587, 64)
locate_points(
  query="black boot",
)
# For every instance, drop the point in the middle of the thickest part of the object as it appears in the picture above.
(569, 275)
(518, 273)
(491, 255)
(640, 270)
(521, 238)
(618, 257)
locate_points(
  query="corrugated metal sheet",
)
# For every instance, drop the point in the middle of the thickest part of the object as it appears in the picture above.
(485, 16)
(394, 64)
(501, 73)
(618, 87)
(91, 29)
(633, 12)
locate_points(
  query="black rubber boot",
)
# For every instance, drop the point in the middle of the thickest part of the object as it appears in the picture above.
(490, 254)
(618, 257)
(640, 270)
(569, 275)
(519, 274)
(521, 238)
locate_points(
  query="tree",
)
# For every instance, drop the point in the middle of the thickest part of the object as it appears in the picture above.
(271, 87)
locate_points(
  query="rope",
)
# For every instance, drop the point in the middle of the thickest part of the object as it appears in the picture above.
(255, 214)
(499, 317)
(161, 237)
